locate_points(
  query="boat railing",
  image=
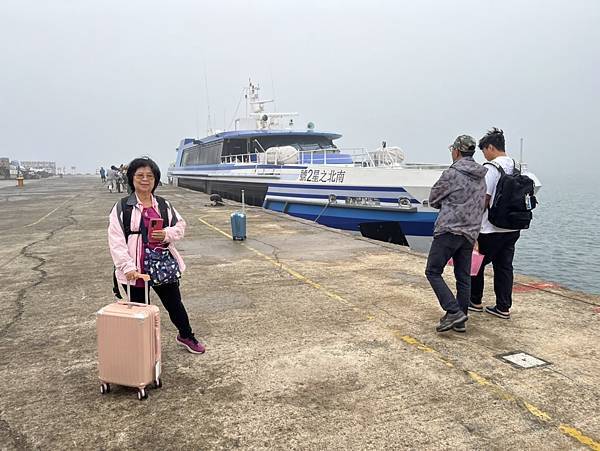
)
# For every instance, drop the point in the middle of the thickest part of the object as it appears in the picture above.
(377, 158)
(240, 158)
(332, 155)
(354, 156)
(252, 161)
(391, 157)
(283, 156)
(425, 166)
(361, 157)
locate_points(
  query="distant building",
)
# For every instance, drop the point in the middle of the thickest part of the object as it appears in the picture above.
(48, 166)
(4, 168)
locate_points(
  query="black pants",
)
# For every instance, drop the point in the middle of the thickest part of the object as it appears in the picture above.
(499, 249)
(460, 249)
(170, 297)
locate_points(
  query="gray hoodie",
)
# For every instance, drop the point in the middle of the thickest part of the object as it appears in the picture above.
(460, 196)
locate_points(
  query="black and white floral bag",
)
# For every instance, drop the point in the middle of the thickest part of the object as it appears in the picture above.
(161, 266)
(159, 263)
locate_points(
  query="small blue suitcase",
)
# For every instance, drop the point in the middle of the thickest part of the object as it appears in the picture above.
(238, 225)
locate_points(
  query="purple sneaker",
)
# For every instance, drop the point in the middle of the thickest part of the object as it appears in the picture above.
(191, 344)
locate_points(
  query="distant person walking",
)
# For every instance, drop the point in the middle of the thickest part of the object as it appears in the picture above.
(120, 178)
(124, 178)
(459, 194)
(102, 174)
(497, 244)
(130, 245)
(112, 179)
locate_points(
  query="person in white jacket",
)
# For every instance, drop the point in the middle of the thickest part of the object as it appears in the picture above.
(128, 244)
(111, 178)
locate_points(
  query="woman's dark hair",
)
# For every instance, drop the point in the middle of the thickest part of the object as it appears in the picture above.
(494, 137)
(143, 162)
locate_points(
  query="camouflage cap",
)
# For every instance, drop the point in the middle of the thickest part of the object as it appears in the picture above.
(464, 143)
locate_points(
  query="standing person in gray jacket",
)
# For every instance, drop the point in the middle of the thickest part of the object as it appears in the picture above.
(459, 194)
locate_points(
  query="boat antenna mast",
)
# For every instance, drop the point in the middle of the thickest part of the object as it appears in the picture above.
(263, 120)
(521, 153)
(209, 129)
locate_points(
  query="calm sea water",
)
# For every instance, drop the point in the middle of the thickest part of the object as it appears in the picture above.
(563, 243)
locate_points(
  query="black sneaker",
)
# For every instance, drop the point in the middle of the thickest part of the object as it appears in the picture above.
(460, 327)
(494, 311)
(475, 308)
(449, 320)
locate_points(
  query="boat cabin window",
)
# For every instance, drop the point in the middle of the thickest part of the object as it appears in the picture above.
(311, 146)
(202, 154)
(190, 156)
(302, 143)
(211, 153)
(235, 147)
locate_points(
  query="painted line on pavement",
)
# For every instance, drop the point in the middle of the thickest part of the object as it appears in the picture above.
(45, 216)
(287, 269)
(489, 385)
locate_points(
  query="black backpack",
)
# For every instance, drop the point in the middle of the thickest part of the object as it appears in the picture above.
(514, 200)
(125, 209)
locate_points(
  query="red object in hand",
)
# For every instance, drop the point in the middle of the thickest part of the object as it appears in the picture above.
(155, 224)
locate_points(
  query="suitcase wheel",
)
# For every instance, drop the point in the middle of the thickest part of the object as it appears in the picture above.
(104, 388)
(142, 394)
(158, 383)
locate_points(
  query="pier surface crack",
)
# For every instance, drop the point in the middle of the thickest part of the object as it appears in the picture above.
(26, 252)
(12, 439)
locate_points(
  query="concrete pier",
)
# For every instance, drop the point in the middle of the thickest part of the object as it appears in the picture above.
(315, 340)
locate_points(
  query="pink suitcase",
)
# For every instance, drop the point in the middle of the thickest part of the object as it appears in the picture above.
(129, 345)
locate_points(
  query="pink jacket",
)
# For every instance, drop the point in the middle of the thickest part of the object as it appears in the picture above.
(125, 255)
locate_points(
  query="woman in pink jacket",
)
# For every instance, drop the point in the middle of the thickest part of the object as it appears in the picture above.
(143, 176)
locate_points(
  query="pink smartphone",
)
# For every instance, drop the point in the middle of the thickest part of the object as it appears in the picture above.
(155, 224)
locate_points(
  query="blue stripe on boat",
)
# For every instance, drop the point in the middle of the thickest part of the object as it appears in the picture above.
(413, 224)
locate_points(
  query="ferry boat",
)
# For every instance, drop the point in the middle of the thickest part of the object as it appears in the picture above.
(304, 174)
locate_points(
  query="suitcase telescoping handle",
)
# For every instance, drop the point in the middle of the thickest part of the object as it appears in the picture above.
(146, 279)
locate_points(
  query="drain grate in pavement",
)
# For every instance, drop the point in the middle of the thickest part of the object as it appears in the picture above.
(520, 359)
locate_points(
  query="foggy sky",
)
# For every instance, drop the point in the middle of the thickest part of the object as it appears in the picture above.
(97, 83)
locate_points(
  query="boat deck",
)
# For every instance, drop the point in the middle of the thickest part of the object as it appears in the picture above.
(315, 339)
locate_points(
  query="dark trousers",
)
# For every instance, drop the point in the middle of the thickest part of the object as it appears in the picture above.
(170, 297)
(499, 249)
(460, 249)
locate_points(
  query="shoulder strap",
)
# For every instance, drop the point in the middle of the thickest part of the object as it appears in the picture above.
(116, 291)
(516, 167)
(163, 207)
(497, 166)
(124, 214)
